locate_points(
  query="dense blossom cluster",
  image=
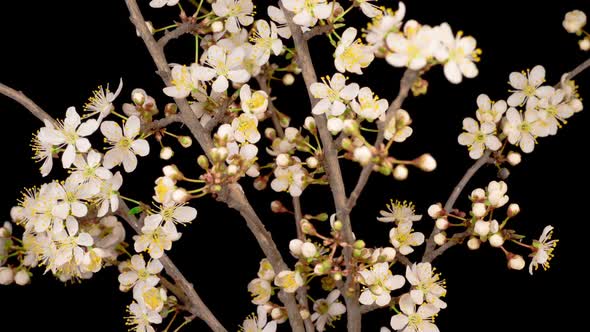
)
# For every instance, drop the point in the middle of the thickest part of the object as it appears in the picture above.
(73, 227)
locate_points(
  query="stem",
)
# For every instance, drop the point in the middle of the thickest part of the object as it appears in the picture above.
(27, 103)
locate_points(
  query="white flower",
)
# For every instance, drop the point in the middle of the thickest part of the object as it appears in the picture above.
(265, 40)
(380, 282)
(413, 48)
(259, 323)
(326, 310)
(156, 238)
(399, 128)
(552, 111)
(528, 87)
(224, 66)
(478, 138)
(426, 285)
(403, 239)
(266, 271)
(253, 103)
(410, 320)
(399, 212)
(246, 128)
(369, 9)
(543, 250)
(497, 193)
(489, 111)
(289, 179)
(519, 130)
(277, 15)
(71, 198)
(260, 290)
(457, 53)
(351, 55)
(176, 213)
(43, 153)
(162, 3)
(71, 133)
(369, 107)
(138, 272)
(102, 101)
(89, 169)
(151, 297)
(183, 81)
(70, 242)
(236, 12)
(334, 94)
(574, 21)
(362, 155)
(109, 195)
(307, 12)
(163, 190)
(125, 145)
(142, 318)
(289, 281)
(383, 25)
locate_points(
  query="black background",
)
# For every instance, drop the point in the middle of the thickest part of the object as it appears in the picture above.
(58, 52)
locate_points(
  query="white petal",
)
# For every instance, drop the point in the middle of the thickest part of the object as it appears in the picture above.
(141, 147)
(221, 84)
(185, 214)
(111, 131)
(132, 126)
(238, 76)
(68, 157)
(87, 128)
(399, 321)
(84, 239)
(537, 75)
(517, 80)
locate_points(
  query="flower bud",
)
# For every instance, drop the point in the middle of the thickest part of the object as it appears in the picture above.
(482, 228)
(170, 109)
(496, 240)
(359, 244)
(337, 225)
(291, 134)
(435, 210)
(185, 141)
(312, 162)
(478, 195)
(388, 253)
(337, 276)
(309, 124)
(166, 153)
(180, 196)
(295, 246)
(357, 253)
(138, 96)
(217, 26)
(347, 144)
(22, 278)
(503, 173)
(473, 243)
(288, 79)
(574, 21)
(270, 133)
(283, 160)
(442, 223)
(173, 172)
(440, 238)
(277, 207)
(203, 161)
(277, 314)
(307, 227)
(516, 262)
(426, 162)
(514, 158)
(6, 276)
(232, 170)
(479, 210)
(363, 155)
(308, 250)
(513, 210)
(350, 127)
(584, 44)
(400, 172)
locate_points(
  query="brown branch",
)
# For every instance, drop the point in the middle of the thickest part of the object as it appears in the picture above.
(26, 102)
(318, 30)
(183, 28)
(429, 253)
(332, 166)
(405, 85)
(232, 194)
(163, 122)
(187, 293)
(580, 68)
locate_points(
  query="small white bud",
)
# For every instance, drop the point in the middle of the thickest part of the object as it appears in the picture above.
(166, 153)
(309, 124)
(22, 278)
(496, 240)
(217, 26)
(232, 170)
(363, 155)
(478, 194)
(426, 162)
(481, 228)
(513, 209)
(295, 246)
(291, 134)
(312, 162)
(172, 172)
(574, 21)
(138, 96)
(180, 195)
(283, 160)
(442, 223)
(389, 253)
(276, 314)
(440, 238)
(335, 125)
(514, 158)
(288, 79)
(473, 243)
(350, 126)
(516, 262)
(479, 210)
(6, 276)
(308, 250)
(435, 210)
(584, 44)
(400, 172)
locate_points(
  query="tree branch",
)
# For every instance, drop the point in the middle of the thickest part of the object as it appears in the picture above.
(318, 30)
(188, 294)
(183, 28)
(163, 122)
(27, 103)
(332, 166)
(232, 194)
(580, 68)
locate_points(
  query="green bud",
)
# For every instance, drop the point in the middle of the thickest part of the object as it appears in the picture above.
(203, 161)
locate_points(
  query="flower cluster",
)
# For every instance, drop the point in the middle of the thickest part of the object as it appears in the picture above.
(574, 22)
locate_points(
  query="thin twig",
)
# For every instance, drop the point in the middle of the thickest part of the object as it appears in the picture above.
(580, 68)
(26, 102)
(183, 28)
(318, 30)
(163, 122)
